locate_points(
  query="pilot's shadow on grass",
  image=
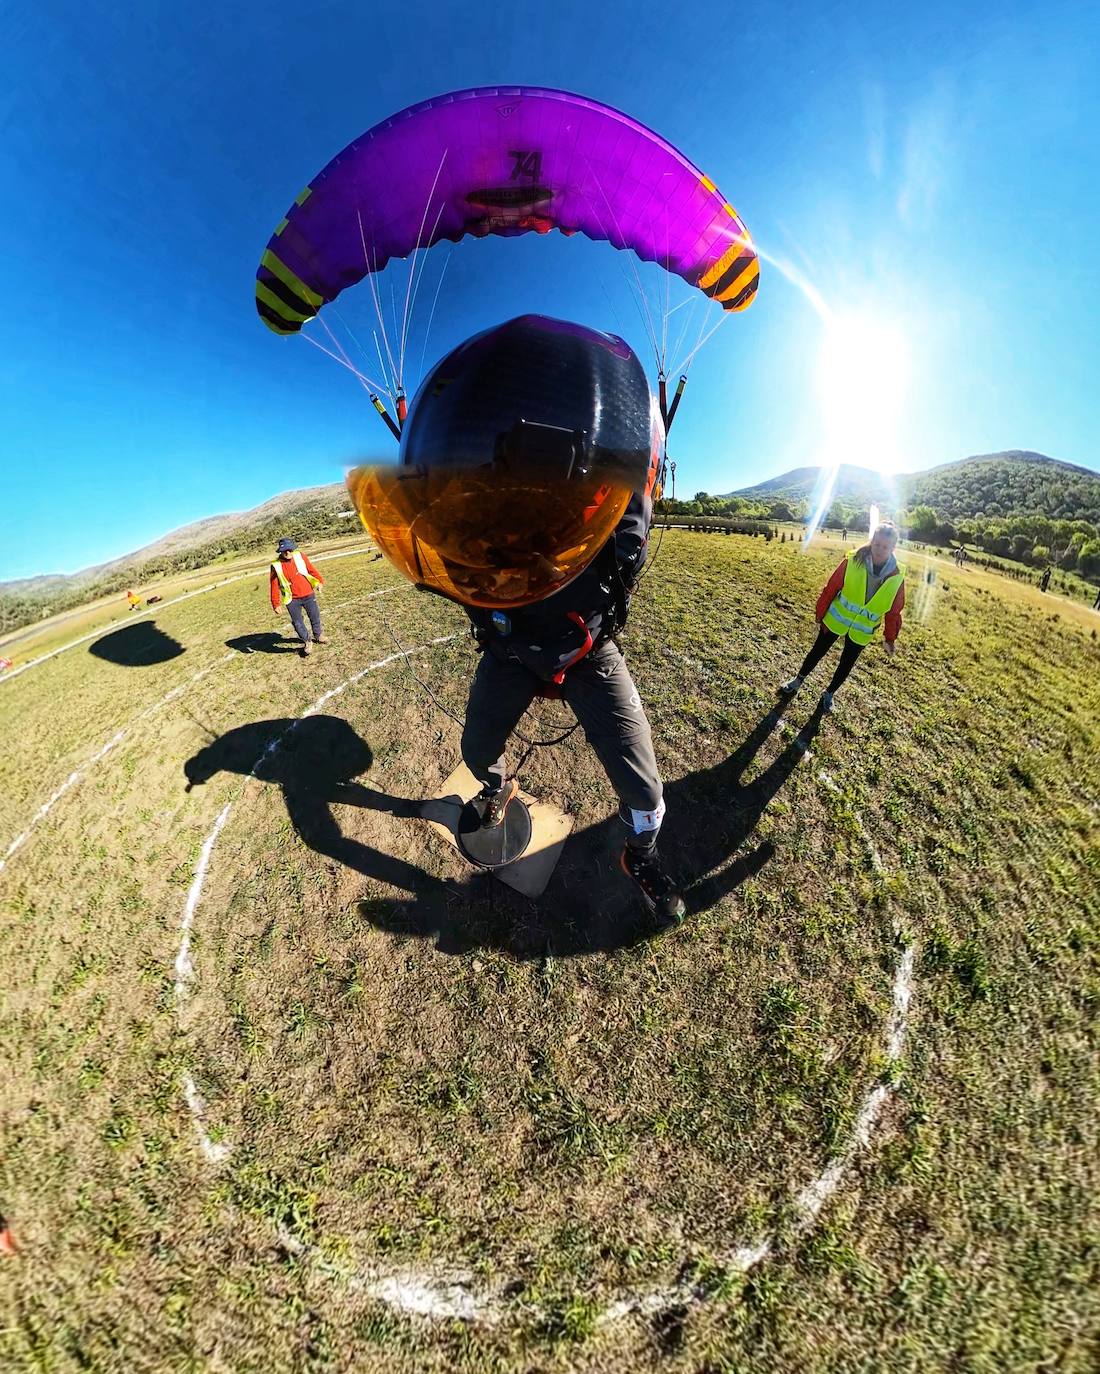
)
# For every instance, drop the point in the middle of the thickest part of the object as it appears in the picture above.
(137, 646)
(589, 905)
(313, 760)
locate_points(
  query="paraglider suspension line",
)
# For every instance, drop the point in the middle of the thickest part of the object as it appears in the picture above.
(532, 744)
(664, 522)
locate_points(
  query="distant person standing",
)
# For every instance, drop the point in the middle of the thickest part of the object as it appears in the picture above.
(295, 583)
(844, 535)
(866, 590)
(1044, 581)
(133, 600)
(1096, 603)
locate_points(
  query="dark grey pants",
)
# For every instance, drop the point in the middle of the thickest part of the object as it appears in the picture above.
(605, 701)
(299, 608)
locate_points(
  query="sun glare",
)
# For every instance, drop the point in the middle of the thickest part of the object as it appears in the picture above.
(863, 375)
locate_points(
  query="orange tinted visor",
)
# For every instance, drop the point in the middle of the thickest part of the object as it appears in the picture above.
(483, 537)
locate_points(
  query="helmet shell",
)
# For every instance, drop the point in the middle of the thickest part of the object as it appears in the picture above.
(521, 450)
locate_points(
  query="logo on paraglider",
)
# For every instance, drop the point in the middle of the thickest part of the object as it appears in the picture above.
(510, 197)
(525, 164)
(514, 206)
(517, 201)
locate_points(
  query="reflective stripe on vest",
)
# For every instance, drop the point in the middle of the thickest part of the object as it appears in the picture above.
(284, 584)
(850, 614)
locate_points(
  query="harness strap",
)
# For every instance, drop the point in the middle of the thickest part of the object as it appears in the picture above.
(578, 620)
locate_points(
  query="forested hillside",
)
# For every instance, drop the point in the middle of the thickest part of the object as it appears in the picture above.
(1015, 504)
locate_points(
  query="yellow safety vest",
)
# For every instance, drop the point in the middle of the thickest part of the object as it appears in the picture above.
(284, 584)
(851, 613)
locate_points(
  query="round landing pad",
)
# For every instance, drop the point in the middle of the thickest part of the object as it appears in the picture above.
(495, 846)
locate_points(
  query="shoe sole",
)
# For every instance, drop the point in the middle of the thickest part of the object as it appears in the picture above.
(508, 802)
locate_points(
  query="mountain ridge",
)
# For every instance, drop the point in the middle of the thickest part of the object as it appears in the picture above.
(794, 477)
(284, 505)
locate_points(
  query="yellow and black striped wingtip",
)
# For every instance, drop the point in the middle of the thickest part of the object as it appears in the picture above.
(733, 279)
(283, 301)
(274, 321)
(743, 295)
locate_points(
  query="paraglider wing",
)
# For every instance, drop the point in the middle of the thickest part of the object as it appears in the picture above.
(501, 160)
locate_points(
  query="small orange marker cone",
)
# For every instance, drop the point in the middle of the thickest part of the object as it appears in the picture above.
(7, 1240)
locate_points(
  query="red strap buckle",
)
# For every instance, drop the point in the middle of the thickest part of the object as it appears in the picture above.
(559, 676)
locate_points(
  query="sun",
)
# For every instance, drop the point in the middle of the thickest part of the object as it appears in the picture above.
(863, 377)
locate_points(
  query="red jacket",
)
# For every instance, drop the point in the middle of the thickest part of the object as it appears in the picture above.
(299, 586)
(892, 624)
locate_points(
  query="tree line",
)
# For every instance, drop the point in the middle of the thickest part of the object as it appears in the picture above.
(1072, 545)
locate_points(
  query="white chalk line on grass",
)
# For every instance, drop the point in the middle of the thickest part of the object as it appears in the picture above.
(115, 740)
(809, 1202)
(13, 673)
(449, 1294)
(444, 1294)
(184, 967)
(868, 844)
(76, 776)
(212, 1150)
(827, 779)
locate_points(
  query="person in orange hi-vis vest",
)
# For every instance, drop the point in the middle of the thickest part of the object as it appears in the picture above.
(295, 583)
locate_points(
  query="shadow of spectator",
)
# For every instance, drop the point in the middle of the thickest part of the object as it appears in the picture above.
(137, 646)
(265, 642)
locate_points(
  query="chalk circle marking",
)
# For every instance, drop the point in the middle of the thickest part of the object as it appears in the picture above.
(449, 1294)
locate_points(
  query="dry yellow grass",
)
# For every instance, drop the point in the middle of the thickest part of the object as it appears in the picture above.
(412, 1069)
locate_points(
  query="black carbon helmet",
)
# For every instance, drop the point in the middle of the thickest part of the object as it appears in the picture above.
(521, 450)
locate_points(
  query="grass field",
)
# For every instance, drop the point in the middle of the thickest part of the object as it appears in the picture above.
(69, 627)
(289, 1088)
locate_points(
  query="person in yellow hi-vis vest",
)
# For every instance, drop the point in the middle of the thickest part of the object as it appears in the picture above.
(295, 583)
(866, 591)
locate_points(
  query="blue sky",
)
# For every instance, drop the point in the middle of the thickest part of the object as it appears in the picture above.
(932, 169)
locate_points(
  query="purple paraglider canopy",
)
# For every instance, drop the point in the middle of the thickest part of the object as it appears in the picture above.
(501, 160)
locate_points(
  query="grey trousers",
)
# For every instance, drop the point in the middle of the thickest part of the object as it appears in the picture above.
(602, 696)
(298, 609)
